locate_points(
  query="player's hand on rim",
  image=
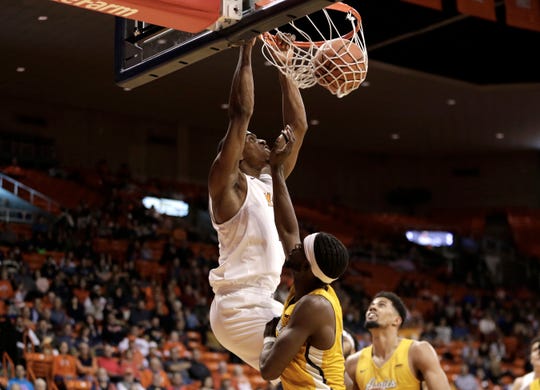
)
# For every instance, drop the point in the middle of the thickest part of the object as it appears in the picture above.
(244, 42)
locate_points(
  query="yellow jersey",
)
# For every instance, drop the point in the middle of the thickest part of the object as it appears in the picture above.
(535, 384)
(395, 373)
(312, 368)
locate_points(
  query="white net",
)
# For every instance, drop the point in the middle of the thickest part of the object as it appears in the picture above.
(323, 55)
(293, 61)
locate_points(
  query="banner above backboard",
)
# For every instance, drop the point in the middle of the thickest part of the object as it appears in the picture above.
(185, 15)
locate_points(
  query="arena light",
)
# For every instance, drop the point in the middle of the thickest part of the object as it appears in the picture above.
(430, 237)
(172, 207)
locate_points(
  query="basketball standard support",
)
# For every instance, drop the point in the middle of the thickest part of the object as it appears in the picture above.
(133, 70)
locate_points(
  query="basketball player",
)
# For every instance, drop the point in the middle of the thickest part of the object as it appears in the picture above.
(391, 361)
(531, 380)
(303, 348)
(240, 189)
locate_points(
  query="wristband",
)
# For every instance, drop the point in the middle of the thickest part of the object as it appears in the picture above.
(269, 339)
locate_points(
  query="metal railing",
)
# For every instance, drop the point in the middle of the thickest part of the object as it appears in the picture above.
(32, 196)
(14, 215)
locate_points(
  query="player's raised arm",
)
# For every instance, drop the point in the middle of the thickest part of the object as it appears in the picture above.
(294, 115)
(225, 173)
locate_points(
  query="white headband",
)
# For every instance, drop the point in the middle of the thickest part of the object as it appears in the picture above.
(309, 251)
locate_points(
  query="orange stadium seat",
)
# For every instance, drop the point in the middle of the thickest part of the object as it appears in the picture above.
(39, 365)
(8, 370)
(34, 260)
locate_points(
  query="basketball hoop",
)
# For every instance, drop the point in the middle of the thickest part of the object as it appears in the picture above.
(308, 54)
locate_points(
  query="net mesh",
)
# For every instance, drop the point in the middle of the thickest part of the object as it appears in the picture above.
(293, 61)
(331, 53)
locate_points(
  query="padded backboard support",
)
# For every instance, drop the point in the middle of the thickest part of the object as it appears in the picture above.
(144, 52)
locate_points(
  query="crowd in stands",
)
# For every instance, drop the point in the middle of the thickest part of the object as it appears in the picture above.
(116, 296)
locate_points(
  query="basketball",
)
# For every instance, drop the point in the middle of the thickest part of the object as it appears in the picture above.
(340, 66)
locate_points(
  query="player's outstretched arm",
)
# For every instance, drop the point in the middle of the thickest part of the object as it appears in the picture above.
(284, 215)
(294, 115)
(224, 173)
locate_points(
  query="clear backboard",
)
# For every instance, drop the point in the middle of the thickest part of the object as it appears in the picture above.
(145, 52)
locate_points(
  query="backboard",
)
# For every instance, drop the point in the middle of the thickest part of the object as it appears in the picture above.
(145, 52)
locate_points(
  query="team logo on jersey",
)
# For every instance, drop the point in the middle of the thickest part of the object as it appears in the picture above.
(386, 384)
(268, 197)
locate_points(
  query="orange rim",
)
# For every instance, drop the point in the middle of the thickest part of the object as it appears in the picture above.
(339, 6)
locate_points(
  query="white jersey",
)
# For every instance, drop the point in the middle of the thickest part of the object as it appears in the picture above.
(527, 380)
(250, 253)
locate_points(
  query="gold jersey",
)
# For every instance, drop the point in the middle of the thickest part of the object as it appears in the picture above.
(535, 384)
(312, 368)
(395, 373)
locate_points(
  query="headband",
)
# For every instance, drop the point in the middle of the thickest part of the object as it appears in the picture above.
(309, 250)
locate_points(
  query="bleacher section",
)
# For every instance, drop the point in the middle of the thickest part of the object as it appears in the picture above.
(371, 270)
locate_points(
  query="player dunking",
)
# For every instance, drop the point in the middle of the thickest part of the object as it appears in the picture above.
(240, 189)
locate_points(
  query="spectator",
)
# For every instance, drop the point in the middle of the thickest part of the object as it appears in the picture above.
(174, 342)
(49, 269)
(44, 330)
(86, 337)
(20, 379)
(103, 382)
(95, 305)
(155, 331)
(47, 347)
(198, 370)
(59, 318)
(460, 330)
(154, 351)
(157, 383)
(134, 339)
(132, 358)
(64, 366)
(87, 365)
(465, 380)
(226, 383)
(75, 309)
(178, 365)
(67, 336)
(113, 329)
(128, 381)
(140, 315)
(444, 332)
(487, 327)
(6, 286)
(82, 292)
(482, 378)
(40, 384)
(429, 334)
(207, 384)
(94, 330)
(154, 369)
(177, 382)
(15, 386)
(469, 352)
(239, 380)
(109, 362)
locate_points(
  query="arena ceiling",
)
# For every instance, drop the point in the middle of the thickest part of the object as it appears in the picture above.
(438, 81)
